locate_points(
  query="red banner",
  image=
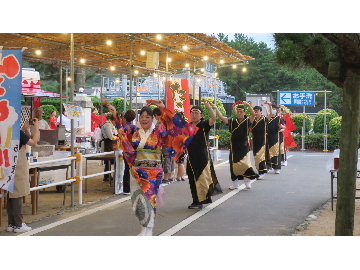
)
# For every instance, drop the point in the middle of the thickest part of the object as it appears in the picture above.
(178, 98)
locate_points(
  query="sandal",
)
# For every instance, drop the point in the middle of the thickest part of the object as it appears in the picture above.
(195, 206)
(182, 179)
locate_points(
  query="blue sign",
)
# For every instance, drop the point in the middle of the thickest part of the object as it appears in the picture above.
(296, 98)
(209, 67)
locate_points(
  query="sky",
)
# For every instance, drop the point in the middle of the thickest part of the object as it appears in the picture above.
(258, 37)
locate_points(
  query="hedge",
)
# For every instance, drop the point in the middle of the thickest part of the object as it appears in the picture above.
(298, 122)
(319, 120)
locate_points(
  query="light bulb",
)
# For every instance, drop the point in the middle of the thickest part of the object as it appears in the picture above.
(206, 58)
(158, 36)
(82, 60)
(109, 42)
(185, 47)
(169, 59)
(142, 52)
(136, 71)
(234, 66)
(202, 69)
(112, 68)
(221, 61)
(244, 69)
(38, 52)
(68, 78)
(187, 65)
(155, 75)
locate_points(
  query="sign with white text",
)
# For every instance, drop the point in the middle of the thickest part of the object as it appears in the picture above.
(290, 98)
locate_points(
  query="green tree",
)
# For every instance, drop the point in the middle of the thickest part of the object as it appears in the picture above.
(319, 119)
(336, 57)
(298, 120)
(335, 126)
(219, 105)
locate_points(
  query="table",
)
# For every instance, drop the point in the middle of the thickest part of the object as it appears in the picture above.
(66, 148)
(34, 172)
(105, 158)
(333, 176)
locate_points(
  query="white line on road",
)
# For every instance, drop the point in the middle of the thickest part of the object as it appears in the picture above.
(86, 213)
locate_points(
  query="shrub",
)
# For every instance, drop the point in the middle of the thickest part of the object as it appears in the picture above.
(298, 122)
(315, 141)
(47, 111)
(335, 126)
(224, 139)
(319, 120)
(118, 103)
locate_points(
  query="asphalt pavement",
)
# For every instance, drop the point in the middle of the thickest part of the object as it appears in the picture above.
(273, 206)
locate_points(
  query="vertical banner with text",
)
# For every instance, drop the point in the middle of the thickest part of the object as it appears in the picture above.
(10, 110)
(178, 99)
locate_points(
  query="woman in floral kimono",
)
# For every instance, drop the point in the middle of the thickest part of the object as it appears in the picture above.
(142, 151)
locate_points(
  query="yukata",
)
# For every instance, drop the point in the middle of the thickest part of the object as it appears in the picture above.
(259, 144)
(143, 154)
(275, 144)
(239, 157)
(199, 167)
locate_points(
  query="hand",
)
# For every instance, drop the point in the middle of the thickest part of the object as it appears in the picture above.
(158, 103)
(245, 103)
(36, 122)
(25, 125)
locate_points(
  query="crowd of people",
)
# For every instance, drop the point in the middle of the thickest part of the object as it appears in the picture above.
(163, 138)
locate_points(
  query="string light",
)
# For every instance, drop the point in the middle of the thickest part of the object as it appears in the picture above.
(202, 69)
(234, 66)
(82, 60)
(158, 36)
(187, 65)
(155, 75)
(142, 52)
(185, 47)
(244, 69)
(221, 61)
(108, 42)
(69, 78)
(206, 58)
(38, 52)
(112, 68)
(169, 59)
(216, 74)
(136, 71)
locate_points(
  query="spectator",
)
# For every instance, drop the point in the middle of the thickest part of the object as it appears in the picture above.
(42, 124)
(53, 120)
(109, 137)
(64, 120)
(130, 129)
(21, 184)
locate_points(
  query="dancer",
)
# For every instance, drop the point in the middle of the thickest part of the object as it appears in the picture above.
(258, 129)
(199, 167)
(288, 139)
(240, 164)
(143, 154)
(275, 128)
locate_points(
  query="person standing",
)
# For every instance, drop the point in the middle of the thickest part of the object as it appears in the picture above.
(275, 128)
(109, 137)
(21, 181)
(259, 129)
(64, 120)
(180, 163)
(96, 119)
(129, 129)
(239, 158)
(199, 167)
(143, 154)
(42, 124)
(53, 120)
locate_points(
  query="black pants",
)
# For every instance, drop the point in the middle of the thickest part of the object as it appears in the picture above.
(126, 178)
(14, 211)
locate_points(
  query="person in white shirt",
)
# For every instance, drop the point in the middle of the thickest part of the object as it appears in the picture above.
(64, 120)
(42, 124)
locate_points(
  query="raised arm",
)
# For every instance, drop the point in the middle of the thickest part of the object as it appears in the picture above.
(223, 118)
(208, 106)
(268, 109)
(252, 113)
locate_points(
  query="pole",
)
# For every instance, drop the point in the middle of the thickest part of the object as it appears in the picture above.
(72, 120)
(136, 94)
(194, 82)
(166, 78)
(325, 125)
(303, 132)
(131, 72)
(61, 90)
(101, 92)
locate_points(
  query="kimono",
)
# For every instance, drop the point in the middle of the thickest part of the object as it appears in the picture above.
(259, 144)
(239, 157)
(199, 168)
(275, 144)
(142, 152)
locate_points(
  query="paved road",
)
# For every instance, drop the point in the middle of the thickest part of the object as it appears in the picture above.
(273, 206)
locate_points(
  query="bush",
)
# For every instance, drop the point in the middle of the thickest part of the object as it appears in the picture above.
(319, 120)
(47, 111)
(315, 141)
(224, 139)
(335, 126)
(298, 122)
(118, 103)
